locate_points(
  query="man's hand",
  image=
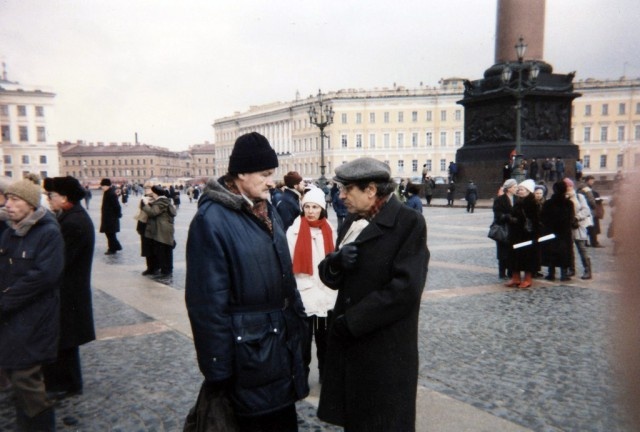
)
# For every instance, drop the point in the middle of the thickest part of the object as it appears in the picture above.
(345, 258)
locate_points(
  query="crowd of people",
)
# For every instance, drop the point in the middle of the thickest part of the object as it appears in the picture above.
(543, 232)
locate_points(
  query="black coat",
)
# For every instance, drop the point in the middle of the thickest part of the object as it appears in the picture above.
(525, 226)
(502, 215)
(111, 212)
(30, 270)
(288, 207)
(76, 312)
(557, 214)
(370, 382)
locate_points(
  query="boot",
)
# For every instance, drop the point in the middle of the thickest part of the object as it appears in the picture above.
(552, 274)
(515, 279)
(526, 283)
(587, 269)
(501, 270)
(564, 275)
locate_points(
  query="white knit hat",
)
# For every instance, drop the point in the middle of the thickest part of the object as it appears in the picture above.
(529, 185)
(315, 196)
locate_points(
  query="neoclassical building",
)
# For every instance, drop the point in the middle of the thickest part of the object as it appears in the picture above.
(408, 128)
(26, 145)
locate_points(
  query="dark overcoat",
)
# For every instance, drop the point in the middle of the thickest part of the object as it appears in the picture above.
(502, 215)
(525, 226)
(238, 277)
(31, 262)
(288, 207)
(370, 382)
(557, 214)
(111, 212)
(76, 311)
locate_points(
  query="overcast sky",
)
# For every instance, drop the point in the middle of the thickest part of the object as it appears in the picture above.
(167, 69)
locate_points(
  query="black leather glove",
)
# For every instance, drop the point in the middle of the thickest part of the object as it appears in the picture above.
(345, 258)
(218, 386)
(341, 330)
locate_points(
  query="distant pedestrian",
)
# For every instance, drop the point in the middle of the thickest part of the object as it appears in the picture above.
(579, 168)
(379, 270)
(425, 173)
(31, 264)
(471, 196)
(584, 220)
(559, 168)
(546, 170)
(553, 170)
(453, 172)
(451, 190)
(506, 171)
(533, 169)
(429, 186)
(289, 205)
(413, 200)
(110, 216)
(87, 196)
(160, 228)
(502, 206)
(146, 243)
(64, 377)
(338, 206)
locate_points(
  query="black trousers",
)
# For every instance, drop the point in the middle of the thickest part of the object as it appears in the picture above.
(284, 420)
(163, 257)
(112, 242)
(66, 373)
(318, 326)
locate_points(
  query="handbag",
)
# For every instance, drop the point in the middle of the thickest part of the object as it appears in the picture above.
(212, 412)
(499, 233)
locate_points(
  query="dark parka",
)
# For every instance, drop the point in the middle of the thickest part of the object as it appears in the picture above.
(502, 215)
(557, 214)
(288, 207)
(370, 382)
(111, 212)
(76, 311)
(31, 263)
(160, 225)
(525, 226)
(238, 275)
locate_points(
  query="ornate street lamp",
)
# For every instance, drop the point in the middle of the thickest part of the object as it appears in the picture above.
(519, 91)
(321, 117)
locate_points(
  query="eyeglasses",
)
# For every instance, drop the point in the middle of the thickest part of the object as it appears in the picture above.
(52, 195)
(344, 188)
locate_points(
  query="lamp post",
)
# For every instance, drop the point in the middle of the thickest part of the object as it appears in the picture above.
(321, 117)
(519, 91)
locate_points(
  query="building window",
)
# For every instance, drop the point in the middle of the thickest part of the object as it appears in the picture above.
(8, 174)
(372, 140)
(429, 116)
(443, 164)
(587, 134)
(587, 110)
(429, 139)
(605, 109)
(39, 111)
(429, 164)
(42, 136)
(458, 115)
(7, 159)
(443, 115)
(386, 140)
(637, 107)
(400, 166)
(620, 133)
(620, 161)
(400, 140)
(414, 165)
(24, 135)
(443, 139)
(6, 133)
(414, 139)
(586, 161)
(4, 110)
(386, 117)
(25, 159)
(458, 138)
(638, 132)
(344, 118)
(372, 117)
(22, 110)
(43, 159)
(358, 118)
(344, 141)
(603, 161)
(400, 116)
(358, 140)
(414, 116)
(622, 108)
(603, 133)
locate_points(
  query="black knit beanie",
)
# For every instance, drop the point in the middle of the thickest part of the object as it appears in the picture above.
(252, 153)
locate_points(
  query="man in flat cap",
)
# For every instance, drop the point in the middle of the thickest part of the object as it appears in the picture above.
(64, 377)
(289, 205)
(379, 269)
(246, 314)
(111, 213)
(31, 264)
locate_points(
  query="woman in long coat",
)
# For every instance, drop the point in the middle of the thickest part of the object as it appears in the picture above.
(160, 228)
(502, 206)
(556, 218)
(525, 227)
(64, 377)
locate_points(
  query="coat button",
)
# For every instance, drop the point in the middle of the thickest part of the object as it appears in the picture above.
(239, 338)
(347, 301)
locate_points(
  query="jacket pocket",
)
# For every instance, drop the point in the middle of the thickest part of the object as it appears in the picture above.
(261, 354)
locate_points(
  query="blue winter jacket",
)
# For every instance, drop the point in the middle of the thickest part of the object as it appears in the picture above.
(31, 264)
(245, 311)
(288, 207)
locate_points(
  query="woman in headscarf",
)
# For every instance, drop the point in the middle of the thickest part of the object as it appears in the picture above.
(146, 243)
(502, 206)
(160, 229)
(311, 237)
(556, 218)
(524, 228)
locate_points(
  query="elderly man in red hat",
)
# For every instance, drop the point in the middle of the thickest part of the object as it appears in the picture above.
(31, 264)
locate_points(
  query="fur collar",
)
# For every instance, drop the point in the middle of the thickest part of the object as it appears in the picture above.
(22, 228)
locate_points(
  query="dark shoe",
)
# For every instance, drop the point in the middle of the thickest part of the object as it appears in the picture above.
(110, 252)
(565, 278)
(148, 272)
(571, 272)
(166, 273)
(598, 246)
(59, 395)
(550, 278)
(69, 420)
(538, 275)
(586, 276)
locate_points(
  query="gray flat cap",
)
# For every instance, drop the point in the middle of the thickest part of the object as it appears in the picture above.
(362, 169)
